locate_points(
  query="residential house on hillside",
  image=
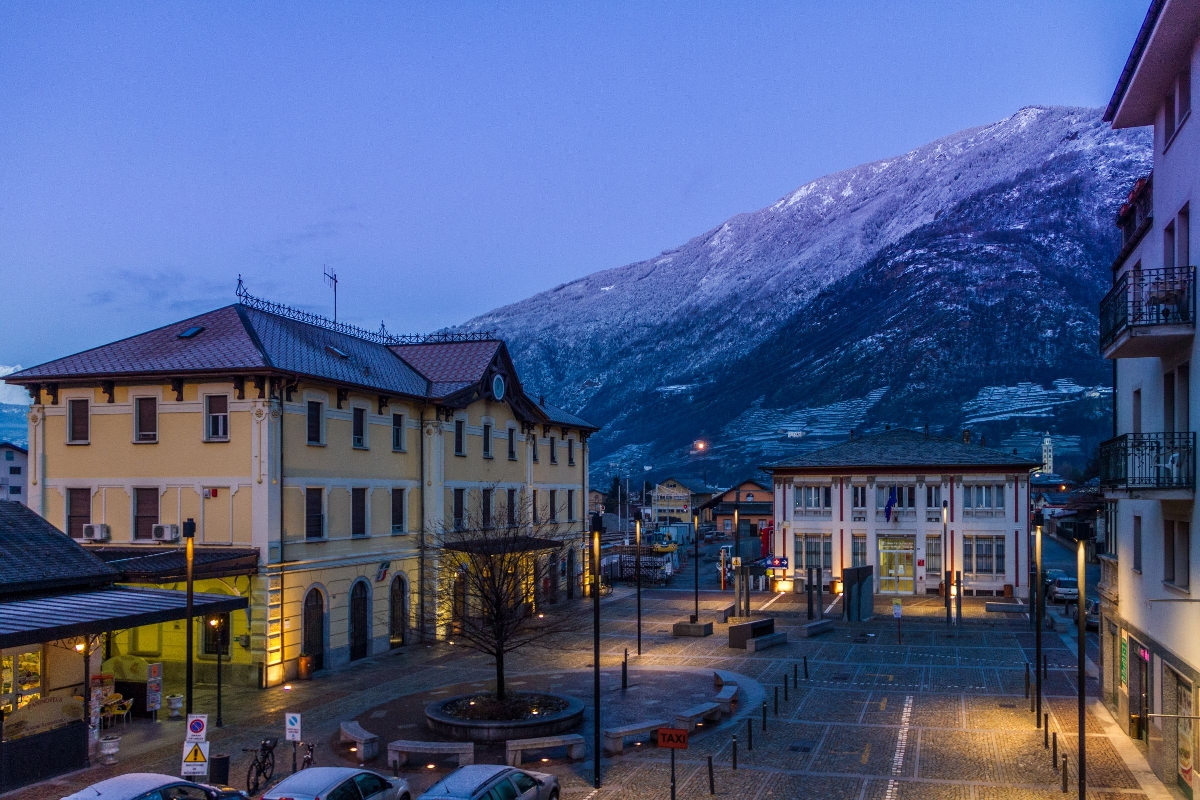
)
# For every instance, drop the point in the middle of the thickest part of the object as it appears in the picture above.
(912, 505)
(318, 461)
(1150, 655)
(14, 464)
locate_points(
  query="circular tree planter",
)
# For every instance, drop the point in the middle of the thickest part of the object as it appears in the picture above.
(496, 730)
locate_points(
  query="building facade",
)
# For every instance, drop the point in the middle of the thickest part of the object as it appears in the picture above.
(752, 502)
(1150, 657)
(329, 455)
(910, 504)
(14, 465)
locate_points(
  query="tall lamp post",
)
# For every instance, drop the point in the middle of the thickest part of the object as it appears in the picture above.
(637, 579)
(1039, 611)
(696, 563)
(596, 524)
(1080, 612)
(189, 537)
(219, 631)
(945, 553)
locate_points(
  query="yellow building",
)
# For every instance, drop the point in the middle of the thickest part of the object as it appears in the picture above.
(317, 460)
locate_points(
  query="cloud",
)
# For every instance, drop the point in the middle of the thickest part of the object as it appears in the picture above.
(12, 395)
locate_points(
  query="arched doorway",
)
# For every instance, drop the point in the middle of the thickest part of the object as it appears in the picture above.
(398, 611)
(313, 639)
(359, 641)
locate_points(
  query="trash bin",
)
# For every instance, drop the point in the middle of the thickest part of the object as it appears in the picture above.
(218, 769)
(1135, 726)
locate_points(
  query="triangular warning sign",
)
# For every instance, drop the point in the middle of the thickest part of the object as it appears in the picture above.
(195, 756)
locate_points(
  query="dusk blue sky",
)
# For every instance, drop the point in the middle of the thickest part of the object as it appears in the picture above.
(448, 158)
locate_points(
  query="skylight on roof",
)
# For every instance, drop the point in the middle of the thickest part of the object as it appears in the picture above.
(192, 331)
(336, 351)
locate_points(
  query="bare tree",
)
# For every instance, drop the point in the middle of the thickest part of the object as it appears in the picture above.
(496, 581)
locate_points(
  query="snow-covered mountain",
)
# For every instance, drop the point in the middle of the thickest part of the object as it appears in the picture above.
(954, 285)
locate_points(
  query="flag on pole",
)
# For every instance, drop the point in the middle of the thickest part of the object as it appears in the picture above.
(891, 502)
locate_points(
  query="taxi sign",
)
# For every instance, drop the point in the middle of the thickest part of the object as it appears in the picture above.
(673, 738)
(197, 728)
(291, 725)
(195, 759)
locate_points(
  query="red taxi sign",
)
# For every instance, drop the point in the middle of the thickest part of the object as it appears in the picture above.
(673, 738)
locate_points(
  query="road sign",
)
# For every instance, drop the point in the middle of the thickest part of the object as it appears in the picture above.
(195, 759)
(896, 607)
(197, 728)
(778, 562)
(291, 724)
(673, 738)
(737, 561)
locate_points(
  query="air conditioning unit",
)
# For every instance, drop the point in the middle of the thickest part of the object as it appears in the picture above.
(165, 533)
(95, 532)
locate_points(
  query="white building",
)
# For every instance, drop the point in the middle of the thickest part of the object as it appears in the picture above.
(14, 465)
(878, 500)
(1150, 653)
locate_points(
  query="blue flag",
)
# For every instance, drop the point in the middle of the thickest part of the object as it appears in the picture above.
(891, 502)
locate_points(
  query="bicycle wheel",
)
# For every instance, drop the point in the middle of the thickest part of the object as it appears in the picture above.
(253, 776)
(268, 768)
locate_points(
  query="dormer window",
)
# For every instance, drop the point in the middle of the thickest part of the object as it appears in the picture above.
(337, 351)
(191, 332)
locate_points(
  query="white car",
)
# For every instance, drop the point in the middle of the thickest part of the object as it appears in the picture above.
(151, 786)
(493, 782)
(338, 783)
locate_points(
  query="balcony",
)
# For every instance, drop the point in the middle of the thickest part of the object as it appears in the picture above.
(1159, 463)
(1148, 312)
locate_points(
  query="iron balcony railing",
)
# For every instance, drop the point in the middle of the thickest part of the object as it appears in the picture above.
(1148, 297)
(1149, 461)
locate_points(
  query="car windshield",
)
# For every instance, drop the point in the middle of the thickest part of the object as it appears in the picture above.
(1068, 583)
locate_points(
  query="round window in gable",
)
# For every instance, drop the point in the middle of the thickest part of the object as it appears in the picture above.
(498, 387)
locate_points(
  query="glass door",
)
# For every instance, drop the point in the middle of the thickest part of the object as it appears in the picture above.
(896, 565)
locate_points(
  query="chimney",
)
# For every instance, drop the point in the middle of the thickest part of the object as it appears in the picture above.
(966, 436)
(542, 400)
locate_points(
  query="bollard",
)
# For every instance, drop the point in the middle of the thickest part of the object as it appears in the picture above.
(806, 668)
(795, 674)
(749, 735)
(735, 751)
(1027, 679)
(1045, 666)
(1031, 701)
(1054, 750)
(712, 787)
(1046, 730)
(764, 715)
(625, 671)
(1064, 774)
(777, 701)
(785, 689)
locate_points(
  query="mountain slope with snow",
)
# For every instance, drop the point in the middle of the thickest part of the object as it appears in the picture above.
(921, 289)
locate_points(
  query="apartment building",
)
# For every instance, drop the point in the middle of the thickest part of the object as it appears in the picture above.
(912, 505)
(14, 464)
(318, 462)
(1149, 652)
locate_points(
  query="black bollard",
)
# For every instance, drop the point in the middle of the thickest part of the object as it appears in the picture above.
(806, 668)
(777, 701)
(712, 787)
(1031, 701)
(749, 735)
(1064, 774)
(1046, 731)
(625, 671)
(785, 689)
(795, 674)
(1054, 749)
(1027, 679)
(735, 751)
(764, 715)
(1045, 666)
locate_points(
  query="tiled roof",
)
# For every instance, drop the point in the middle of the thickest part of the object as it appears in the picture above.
(899, 448)
(449, 366)
(12, 446)
(36, 556)
(560, 417)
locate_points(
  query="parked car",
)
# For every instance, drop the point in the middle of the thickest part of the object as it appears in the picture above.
(1093, 613)
(492, 782)
(1048, 577)
(151, 786)
(338, 783)
(1064, 589)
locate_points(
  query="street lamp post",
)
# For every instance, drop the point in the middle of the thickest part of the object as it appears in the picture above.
(1040, 612)
(1080, 605)
(637, 568)
(189, 537)
(596, 647)
(737, 553)
(946, 552)
(696, 563)
(219, 630)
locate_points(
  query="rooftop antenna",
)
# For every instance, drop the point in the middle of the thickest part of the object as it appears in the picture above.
(332, 280)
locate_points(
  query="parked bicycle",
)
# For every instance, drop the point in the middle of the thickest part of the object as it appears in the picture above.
(307, 761)
(263, 766)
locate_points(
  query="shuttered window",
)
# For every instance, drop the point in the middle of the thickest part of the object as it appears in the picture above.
(79, 511)
(570, 505)
(358, 512)
(314, 421)
(571, 452)
(460, 437)
(147, 419)
(512, 444)
(314, 515)
(79, 428)
(397, 510)
(397, 431)
(145, 513)
(553, 504)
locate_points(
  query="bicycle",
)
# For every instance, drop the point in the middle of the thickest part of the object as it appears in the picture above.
(263, 766)
(307, 761)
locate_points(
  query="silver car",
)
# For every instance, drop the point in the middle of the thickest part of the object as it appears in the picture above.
(338, 783)
(151, 786)
(492, 782)
(1064, 589)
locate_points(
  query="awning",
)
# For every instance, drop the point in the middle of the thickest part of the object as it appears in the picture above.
(502, 545)
(169, 565)
(64, 616)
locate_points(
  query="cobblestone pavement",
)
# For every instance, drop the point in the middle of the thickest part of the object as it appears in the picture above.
(940, 714)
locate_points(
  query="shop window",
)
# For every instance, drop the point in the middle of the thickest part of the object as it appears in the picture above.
(20, 679)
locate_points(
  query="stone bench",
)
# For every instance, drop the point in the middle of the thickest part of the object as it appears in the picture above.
(742, 632)
(727, 697)
(1007, 608)
(698, 629)
(688, 719)
(514, 748)
(399, 750)
(723, 614)
(368, 743)
(614, 738)
(721, 678)
(763, 642)
(816, 627)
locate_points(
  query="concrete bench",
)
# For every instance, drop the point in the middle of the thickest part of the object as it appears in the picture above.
(399, 750)
(727, 697)
(723, 678)
(816, 627)
(368, 743)
(698, 629)
(742, 632)
(723, 614)
(614, 738)
(514, 748)
(763, 642)
(688, 719)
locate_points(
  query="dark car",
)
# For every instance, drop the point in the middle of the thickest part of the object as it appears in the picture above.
(151, 786)
(1092, 606)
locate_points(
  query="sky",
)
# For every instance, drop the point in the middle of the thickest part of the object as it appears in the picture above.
(448, 158)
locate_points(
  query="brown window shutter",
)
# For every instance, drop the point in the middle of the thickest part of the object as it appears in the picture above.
(79, 420)
(146, 513)
(314, 523)
(314, 422)
(218, 404)
(147, 417)
(79, 511)
(397, 510)
(358, 512)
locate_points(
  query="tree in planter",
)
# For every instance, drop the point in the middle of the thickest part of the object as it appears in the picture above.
(491, 564)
